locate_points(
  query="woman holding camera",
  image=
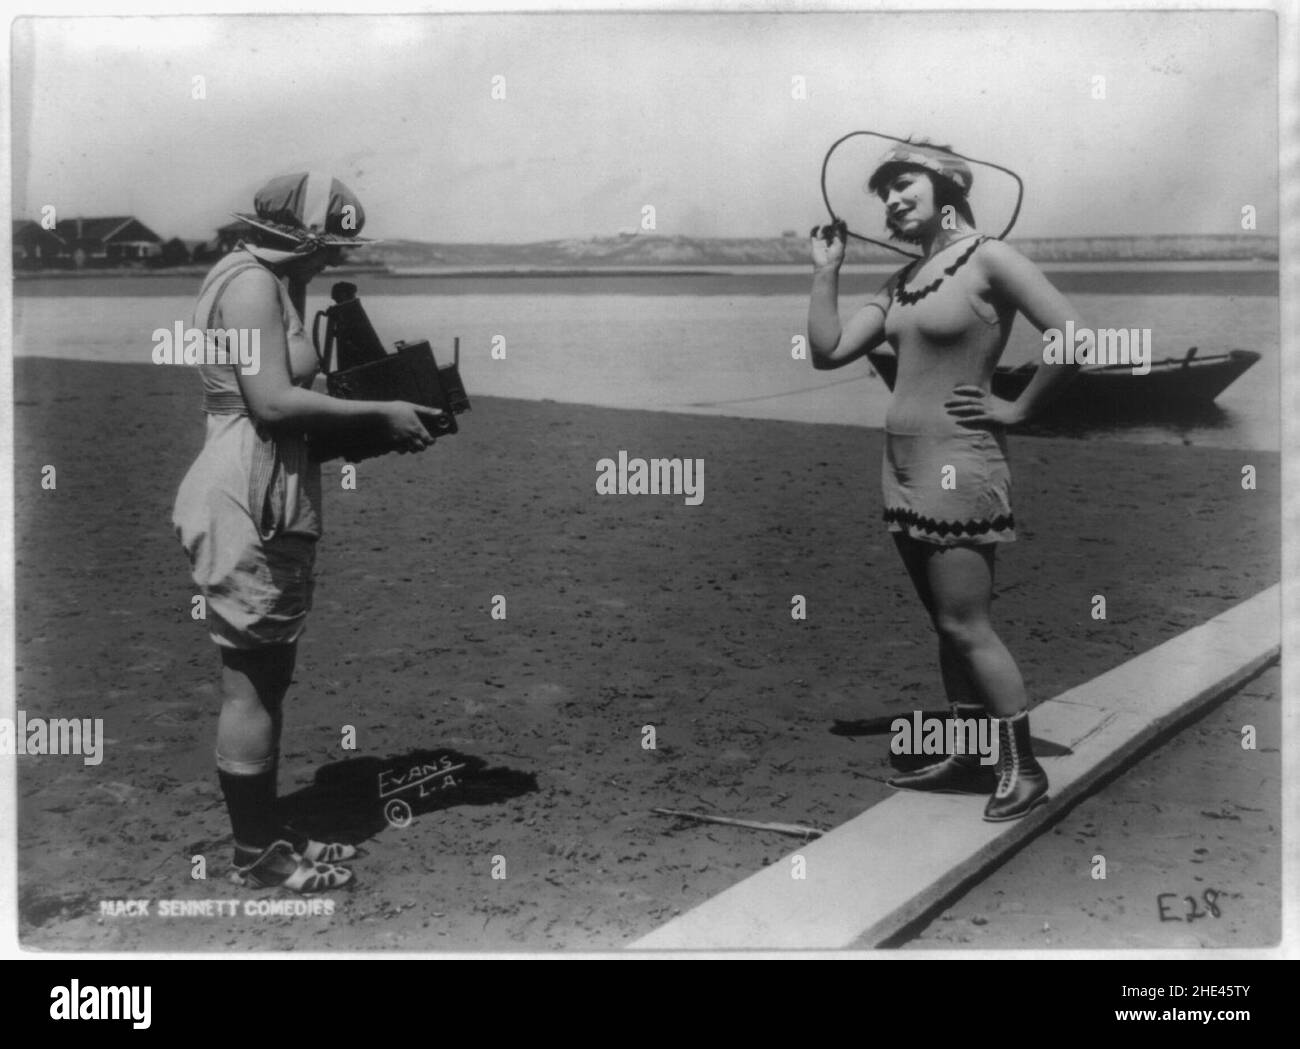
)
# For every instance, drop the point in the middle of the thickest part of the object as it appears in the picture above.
(248, 512)
(946, 483)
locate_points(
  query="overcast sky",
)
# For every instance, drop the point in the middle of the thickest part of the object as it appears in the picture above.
(604, 114)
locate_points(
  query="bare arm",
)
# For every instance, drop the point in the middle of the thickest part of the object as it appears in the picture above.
(831, 345)
(252, 302)
(1022, 284)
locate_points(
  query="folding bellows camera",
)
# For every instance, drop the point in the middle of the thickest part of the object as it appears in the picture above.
(365, 371)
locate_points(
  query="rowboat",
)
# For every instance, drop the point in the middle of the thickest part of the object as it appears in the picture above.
(1172, 384)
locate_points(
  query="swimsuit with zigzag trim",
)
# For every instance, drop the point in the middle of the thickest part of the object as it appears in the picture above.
(910, 298)
(945, 335)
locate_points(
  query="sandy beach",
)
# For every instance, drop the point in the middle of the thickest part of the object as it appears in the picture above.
(1191, 836)
(623, 613)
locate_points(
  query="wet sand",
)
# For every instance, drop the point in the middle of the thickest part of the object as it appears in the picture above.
(622, 613)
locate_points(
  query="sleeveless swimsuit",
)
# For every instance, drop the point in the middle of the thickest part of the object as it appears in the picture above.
(248, 512)
(942, 482)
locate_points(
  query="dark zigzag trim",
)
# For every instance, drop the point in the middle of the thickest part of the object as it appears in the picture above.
(911, 519)
(909, 298)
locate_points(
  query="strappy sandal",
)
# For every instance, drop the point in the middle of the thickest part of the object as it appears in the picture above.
(328, 852)
(318, 851)
(269, 871)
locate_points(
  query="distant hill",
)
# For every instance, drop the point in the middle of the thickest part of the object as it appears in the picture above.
(639, 250)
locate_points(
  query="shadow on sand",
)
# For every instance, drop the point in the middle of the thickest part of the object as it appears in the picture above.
(356, 799)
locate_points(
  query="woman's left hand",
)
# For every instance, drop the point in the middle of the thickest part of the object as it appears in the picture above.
(978, 408)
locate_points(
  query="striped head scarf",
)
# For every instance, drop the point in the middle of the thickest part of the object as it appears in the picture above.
(921, 155)
(310, 210)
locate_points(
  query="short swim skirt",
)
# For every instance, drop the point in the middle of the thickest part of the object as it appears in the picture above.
(949, 490)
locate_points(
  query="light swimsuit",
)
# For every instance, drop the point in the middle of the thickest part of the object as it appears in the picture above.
(248, 512)
(943, 482)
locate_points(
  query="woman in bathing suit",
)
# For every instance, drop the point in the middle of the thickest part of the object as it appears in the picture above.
(946, 485)
(248, 512)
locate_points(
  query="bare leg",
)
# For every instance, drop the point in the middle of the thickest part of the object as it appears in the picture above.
(956, 586)
(253, 685)
(961, 585)
(957, 684)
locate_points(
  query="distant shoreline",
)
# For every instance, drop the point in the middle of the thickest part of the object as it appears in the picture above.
(724, 269)
(762, 269)
(1227, 277)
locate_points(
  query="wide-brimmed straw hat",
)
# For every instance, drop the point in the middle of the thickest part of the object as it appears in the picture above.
(309, 210)
(934, 159)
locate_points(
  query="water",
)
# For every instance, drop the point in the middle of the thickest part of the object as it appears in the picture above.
(726, 352)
